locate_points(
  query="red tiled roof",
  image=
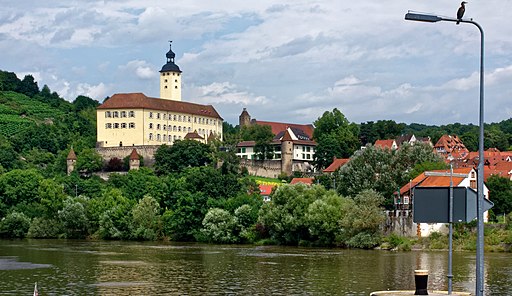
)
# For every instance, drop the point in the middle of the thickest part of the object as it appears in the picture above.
(287, 136)
(139, 100)
(193, 135)
(336, 164)
(425, 180)
(307, 181)
(134, 155)
(385, 143)
(278, 127)
(265, 189)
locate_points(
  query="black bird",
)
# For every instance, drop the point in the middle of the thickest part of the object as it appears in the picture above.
(460, 12)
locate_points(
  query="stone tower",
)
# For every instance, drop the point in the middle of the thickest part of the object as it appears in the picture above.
(134, 160)
(244, 119)
(287, 153)
(71, 161)
(170, 78)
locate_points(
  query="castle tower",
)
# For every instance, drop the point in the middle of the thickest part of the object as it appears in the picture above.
(244, 119)
(134, 160)
(170, 78)
(287, 153)
(71, 161)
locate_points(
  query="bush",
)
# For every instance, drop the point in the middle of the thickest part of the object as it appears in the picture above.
(146, 219)
(44, 228)
(14, 225)
(219, 226)
(399, 242)
(364, 240)
(114, 165)
(73, 218)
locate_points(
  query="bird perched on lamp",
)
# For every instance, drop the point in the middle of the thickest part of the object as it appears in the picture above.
(460, 11)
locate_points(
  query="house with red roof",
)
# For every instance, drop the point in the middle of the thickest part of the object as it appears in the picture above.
(387, 144)
(451, 146)
(293, 146)
(265, 191)
(335, 165)
(461, 177)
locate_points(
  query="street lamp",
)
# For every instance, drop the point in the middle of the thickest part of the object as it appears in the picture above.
(430, 18)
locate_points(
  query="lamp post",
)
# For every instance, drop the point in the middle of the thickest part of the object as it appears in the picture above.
(429, 18)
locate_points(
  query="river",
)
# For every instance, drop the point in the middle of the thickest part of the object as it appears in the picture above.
(71, 267)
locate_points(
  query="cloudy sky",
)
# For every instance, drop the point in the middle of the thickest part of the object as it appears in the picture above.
(286, 61)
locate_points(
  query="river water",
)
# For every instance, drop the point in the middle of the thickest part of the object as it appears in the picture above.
(73, 267)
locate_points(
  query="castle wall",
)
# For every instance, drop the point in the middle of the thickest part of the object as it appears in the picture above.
(262, 168)
(148, 152)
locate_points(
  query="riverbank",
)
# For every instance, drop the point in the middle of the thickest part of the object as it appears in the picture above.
(497, 238)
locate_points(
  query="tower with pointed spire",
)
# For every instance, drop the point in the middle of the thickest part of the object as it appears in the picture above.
(170, 78)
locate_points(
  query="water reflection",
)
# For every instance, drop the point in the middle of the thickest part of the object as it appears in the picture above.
(120, 268)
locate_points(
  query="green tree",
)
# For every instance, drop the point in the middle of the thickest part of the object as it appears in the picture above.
(363, 219)
(262, 135)
(182, 154)
(382, 170)
(83, 102)
(51, 196)
(14, 225)
(146, 219)
(138, 183)
(112, 211)
(324, 217)
(219, 226)
(500, 194)
(19, 187)
(183, 222)
(335, 137)
(28, 86)
(89, 161)
(73, 218)
(285, 216)
(8, 157)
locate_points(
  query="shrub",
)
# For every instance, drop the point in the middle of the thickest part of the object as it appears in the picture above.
(146, 219)
(399, 242)
(73, 218)
(114, 165)
(218, 226)
(44, 228)
(14, 225)
(364, 240)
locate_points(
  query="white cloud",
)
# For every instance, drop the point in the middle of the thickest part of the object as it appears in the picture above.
(225, 93)
(141, 69)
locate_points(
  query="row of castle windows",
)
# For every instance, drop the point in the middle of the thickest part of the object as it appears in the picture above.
(173, 73)
(200, 120)
(115, 114)
(164, 138)
(120, 125)
(175, 128)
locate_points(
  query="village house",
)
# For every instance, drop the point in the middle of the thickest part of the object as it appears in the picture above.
(462, 177)
(293, 148)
